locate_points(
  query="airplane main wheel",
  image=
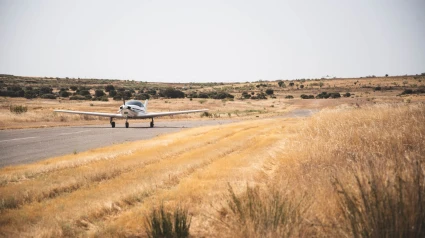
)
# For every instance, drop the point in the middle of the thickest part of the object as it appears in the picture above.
(113, 124)
(126, 125)
(151, 124)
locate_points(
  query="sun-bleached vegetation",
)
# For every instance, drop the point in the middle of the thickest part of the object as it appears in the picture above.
(345, 172)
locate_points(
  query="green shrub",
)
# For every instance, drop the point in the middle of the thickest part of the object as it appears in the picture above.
(164, 224)
(142, 96)
(99, 93)
(304, 96)
(48, 96)
(171, 93)
(112, 93)
(18, 109)
(64, 94)
(269, 91)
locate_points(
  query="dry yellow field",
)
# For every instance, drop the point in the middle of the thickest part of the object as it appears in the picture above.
(321, 167)
(109, 189)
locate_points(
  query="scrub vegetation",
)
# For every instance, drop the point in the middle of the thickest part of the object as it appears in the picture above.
(351, 171)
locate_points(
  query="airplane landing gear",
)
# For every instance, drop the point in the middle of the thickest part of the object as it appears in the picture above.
(112, 123)
(152, 123)
(126, 123)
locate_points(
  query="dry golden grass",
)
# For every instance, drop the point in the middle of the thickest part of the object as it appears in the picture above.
(109, 191)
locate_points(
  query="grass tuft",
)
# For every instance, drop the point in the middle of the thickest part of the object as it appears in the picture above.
(18, 109)
(164, 224)
(270, 213)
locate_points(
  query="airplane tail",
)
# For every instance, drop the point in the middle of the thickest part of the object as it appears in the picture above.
(146, 105)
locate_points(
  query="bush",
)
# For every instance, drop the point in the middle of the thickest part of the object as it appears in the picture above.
(73, 88)
(304, 96)
(99, 93)
(246, 95)
(64, 94)
(328, 95)
(269, 91)
(112, 93)
(18, 109)
(151, 92)
(142, 96)
(273, 213)
(164, 224)
(385, 205)
(206, 114)
(203, 95)
(46, 90)
(347, 95)
(109, 88)
(171, 93)
(30, 94)
(103, 99)
(378, 88)
(84, 92)
(289, 97)
(48, 96)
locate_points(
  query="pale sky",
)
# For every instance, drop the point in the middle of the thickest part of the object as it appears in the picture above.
(211, 41)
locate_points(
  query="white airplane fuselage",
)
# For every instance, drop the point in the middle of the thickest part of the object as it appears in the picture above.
(133, 109)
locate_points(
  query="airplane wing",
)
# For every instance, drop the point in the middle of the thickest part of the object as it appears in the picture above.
(160, 114)
(100, 114)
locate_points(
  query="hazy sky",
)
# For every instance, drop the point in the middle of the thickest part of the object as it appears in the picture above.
(205, 41)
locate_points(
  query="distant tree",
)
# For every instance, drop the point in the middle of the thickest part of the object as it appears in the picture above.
(84, 92)
(291, 84)
(302, 86)
(280, 83)
(30, 94)
(109, 88)
(269, 91)
(46, 90)
(64, 94)
(99, 93)
(386, 75)
(151, 91)
(172, 93)
(142, 96)
(112, 93)
(246, 95)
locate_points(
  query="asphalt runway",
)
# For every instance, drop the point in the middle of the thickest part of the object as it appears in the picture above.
(30, 145)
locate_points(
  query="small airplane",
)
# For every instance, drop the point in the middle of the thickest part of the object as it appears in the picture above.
(132, 109)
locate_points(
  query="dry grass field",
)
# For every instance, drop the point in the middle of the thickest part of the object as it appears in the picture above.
(354, 170)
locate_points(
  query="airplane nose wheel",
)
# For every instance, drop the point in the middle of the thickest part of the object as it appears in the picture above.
(152, 123)
(126, 125)
(112, 123)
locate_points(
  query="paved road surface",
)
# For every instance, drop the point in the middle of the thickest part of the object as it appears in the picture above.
(30, 145)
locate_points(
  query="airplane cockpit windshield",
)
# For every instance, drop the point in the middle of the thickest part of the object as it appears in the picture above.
(135, 103)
